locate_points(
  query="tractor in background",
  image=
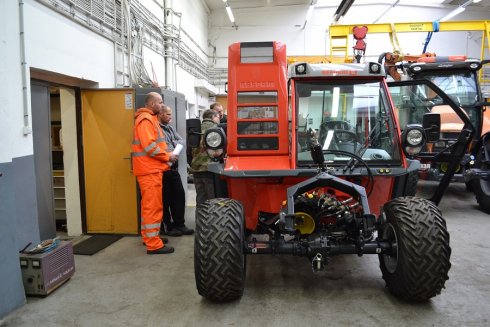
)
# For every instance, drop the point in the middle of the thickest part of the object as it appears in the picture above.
(457, 76)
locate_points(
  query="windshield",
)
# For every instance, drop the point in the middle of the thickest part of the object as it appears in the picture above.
(460, 87)
(351, 117)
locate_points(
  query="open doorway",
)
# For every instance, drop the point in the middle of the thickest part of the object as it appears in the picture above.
(57, 164)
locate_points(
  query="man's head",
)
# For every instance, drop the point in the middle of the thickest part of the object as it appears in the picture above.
(218, 108)
(165, 114)
(212, 115)
(154, 102)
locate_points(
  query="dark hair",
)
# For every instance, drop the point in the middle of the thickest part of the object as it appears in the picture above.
(214, 105)
(209, 114)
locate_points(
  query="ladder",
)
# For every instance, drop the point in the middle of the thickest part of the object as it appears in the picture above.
(484, 74)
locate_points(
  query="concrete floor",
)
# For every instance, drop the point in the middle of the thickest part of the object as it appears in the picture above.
(122, 286)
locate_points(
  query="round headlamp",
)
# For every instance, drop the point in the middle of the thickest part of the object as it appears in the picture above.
(474, 65)
(214, 140)
(300, 69)
(374, 68)
(415, 137)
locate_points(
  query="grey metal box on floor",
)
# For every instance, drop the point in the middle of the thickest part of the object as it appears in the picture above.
(44, 272)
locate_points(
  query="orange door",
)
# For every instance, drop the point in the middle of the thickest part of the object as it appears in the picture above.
(110, 187)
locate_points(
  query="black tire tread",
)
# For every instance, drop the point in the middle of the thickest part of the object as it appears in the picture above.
(411, 185)
(423, 247)
(219, 262)
(481, 196)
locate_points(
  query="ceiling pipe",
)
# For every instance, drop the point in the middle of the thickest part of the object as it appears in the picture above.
(342, 10)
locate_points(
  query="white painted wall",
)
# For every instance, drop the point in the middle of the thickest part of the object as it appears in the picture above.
(14, 143)
(195, 22)
(57, 44)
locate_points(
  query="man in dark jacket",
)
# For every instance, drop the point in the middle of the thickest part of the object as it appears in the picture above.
(218, 107)
(173, 223)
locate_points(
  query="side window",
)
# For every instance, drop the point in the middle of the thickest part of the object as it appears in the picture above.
(257, 114)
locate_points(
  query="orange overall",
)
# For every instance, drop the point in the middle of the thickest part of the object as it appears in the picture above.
(150, 160)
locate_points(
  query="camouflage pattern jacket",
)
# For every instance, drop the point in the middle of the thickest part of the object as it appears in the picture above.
(200, 158)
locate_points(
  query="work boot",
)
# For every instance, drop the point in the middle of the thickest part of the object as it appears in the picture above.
(164, 240)
(173, 232)
(163, 250)
(184, 230)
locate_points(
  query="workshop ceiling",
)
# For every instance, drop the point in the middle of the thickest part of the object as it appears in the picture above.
(242, 4)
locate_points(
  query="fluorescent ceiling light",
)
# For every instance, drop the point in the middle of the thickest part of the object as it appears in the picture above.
(230, 14)
(331, 3)
(453, 13)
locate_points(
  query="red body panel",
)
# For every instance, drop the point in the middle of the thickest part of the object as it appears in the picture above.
(268, 76)
(258, 163)
(267, 194)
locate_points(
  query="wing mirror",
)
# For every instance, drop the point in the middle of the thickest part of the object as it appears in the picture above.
(432, 126)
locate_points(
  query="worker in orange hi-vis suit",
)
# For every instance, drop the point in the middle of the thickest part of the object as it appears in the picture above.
(150, 160)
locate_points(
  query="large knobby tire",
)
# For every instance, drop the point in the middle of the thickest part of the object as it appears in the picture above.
(219, 260)
(481, 187)
(418, 267)
(411, 185)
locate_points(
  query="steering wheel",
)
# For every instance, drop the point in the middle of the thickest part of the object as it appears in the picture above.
(341, 136)
(343, 133)
(370, 183)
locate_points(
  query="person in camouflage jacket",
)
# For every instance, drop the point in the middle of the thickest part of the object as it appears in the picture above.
(203, 180)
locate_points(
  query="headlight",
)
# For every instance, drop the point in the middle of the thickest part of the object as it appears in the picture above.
(374, 68)
(300, 69)
(415, 137)
(474, 65)
(214, 140)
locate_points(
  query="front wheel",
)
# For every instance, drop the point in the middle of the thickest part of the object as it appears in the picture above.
(219, 260)
(481, 187)
(418, 266)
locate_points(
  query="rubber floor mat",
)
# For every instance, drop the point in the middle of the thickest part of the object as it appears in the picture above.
(94, 244)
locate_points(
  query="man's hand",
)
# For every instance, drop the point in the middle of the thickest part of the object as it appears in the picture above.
(173, 158)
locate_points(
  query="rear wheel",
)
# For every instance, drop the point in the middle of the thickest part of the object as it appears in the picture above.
(417, 268)
(219, 260)
(481, 187)
(412, 181)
